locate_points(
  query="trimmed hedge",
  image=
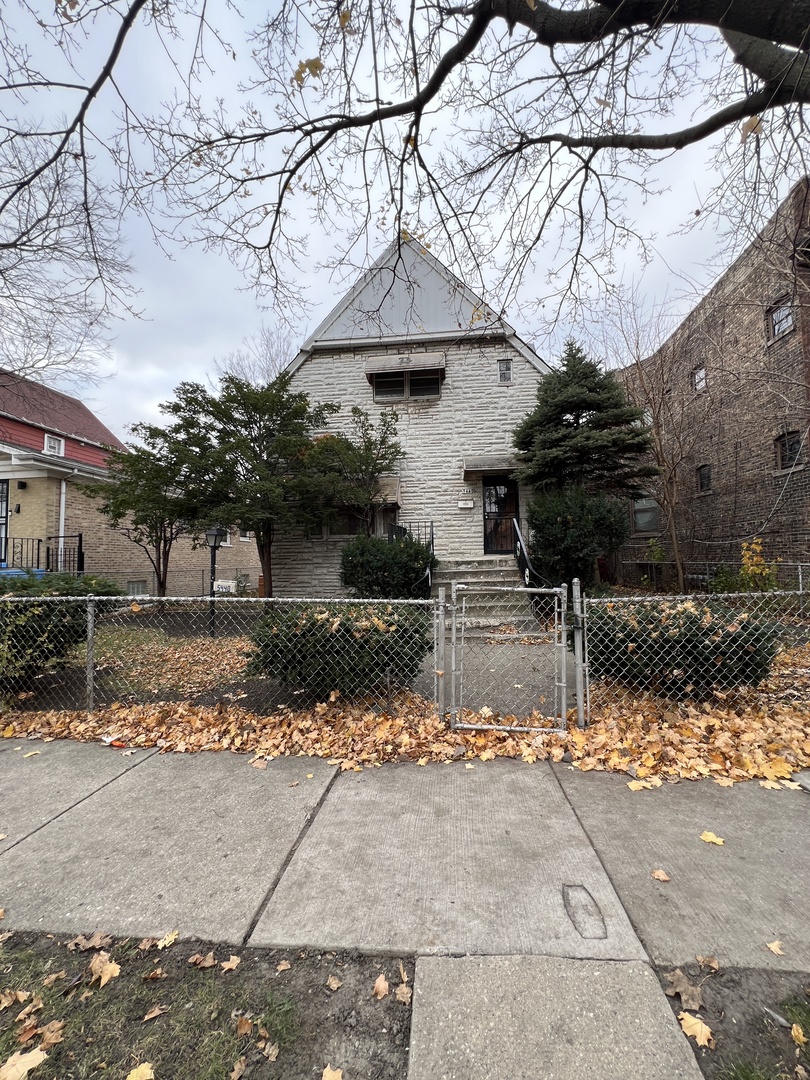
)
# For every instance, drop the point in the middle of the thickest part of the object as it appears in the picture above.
(679, 649)
(354, 650)
(374, 568)
(32, 634)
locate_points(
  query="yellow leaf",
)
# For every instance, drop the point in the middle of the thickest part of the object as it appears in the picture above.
(170, 939)
(19, 1065)
(232, 964)
(639, 785)
(772, 785)
(332, 1074)
(777, 768)
(143, 1072)
(696, 1029)
(724, 781)
(380, 987)
(798, 1035)
(785, 784)
(8, 732)
(239, 1067)
(710, 838)
(661, 875)
(104, 969)
(135, 607)
(32, 753)
(776, 948)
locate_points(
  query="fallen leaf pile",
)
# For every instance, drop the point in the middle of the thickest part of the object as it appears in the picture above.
(760, 734)
(161, 663)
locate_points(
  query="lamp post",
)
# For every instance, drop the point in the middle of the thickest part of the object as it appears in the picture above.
(214, 537)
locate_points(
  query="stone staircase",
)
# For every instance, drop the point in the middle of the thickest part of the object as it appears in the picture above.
(487, 572)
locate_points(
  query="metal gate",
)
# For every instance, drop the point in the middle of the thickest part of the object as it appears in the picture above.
(503, 658)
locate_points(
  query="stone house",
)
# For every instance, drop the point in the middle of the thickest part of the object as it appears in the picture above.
(727, 397)
(410, 337)
(50, 444)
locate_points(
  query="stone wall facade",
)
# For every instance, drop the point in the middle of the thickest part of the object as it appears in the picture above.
(724, 393)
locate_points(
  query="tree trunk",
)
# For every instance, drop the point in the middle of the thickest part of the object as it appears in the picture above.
(264, 546)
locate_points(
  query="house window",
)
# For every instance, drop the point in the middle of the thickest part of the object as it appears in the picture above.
(54, 445)
(401, 385)
(504, 371)
(779, 319)
(245, 534)
(137, 587)
(788, 449)
(703, 474)
(697, 379)
(345, 523)
(646, 516)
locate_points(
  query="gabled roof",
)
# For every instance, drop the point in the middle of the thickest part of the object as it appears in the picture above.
(409, 297)
(43, 407)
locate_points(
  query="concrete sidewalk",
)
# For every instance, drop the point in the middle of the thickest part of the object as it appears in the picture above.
(517, 887)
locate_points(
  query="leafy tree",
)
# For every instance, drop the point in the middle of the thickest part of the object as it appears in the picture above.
(250, 444)
(583, 433)
(584, 449)
(147, 495)
(529, 115)
(348, 468)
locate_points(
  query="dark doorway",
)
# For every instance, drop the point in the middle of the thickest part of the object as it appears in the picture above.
(500, 507)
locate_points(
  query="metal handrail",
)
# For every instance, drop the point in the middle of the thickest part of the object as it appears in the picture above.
(531, 579)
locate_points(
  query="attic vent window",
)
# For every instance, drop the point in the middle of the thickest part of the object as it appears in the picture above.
(402, 385)
(54, 445)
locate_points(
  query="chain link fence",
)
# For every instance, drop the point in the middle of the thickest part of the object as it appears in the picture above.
(64, 653)
(686, 648)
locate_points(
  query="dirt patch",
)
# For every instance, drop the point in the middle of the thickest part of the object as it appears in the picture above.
(750, 1043)
(278, 1014)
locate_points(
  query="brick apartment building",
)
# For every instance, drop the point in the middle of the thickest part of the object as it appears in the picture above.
(728, 398)
(51, 444)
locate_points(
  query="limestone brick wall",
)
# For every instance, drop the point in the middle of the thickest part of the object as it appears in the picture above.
(474, 415)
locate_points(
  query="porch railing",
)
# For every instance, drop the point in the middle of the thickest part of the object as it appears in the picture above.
(21, 552)
(531, 579)
(65, 554)
(422, 531)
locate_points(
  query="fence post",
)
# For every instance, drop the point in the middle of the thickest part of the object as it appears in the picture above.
(579, 651)
(440, 624)
(453, 685)
(91, 641)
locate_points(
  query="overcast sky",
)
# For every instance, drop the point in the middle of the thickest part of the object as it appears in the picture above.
(195, 308)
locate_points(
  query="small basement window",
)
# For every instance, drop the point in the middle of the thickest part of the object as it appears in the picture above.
(779, 319)
(788, 449)
(402, 385)
(137, 587)
(703, 474)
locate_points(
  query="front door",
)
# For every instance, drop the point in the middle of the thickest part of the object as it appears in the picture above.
(500, 507)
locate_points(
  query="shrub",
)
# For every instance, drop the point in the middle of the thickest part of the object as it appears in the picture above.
(679, 649)
(570, 529)
(34, 634)
(374, 568)
(354, 650)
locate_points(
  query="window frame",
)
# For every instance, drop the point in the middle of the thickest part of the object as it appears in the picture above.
(698, 379)
(505, 366)
(635, 531)
(783, 303)
(60, 442)
(782, 444)
(701, 471)
(406, 376)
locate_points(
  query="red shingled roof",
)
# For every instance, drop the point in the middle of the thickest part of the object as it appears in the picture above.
(47, 408)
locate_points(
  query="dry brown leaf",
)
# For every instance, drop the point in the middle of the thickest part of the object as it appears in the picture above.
(710, 962)
(147, 943)
(51, 979)
(724, 781)
(403, 994)
(283, 965)
(696, 1029)
(20, 1064)
(200, 961)
(32, 753)
(168, 940)
(51, 1034)
(772, 785)
(6, 936)
(86, 995)
(789, 784)
(639, 785)
(158, 973)
(104, 969)
(402, 972)
(238, 1070)
(710, 838)
(801, 1073)
(27, 1032)
(380, 987)
(232, 964)
(776, 948)
(690, 995)
(98, 940)
(244, 1026)
(143, 1072)
(271, 1051)
(660, 875)
(333, 982)
(798, 1035)
(33, 1006)
(332, 1074)
(259, 763)
(157, 1010)
(2, 913)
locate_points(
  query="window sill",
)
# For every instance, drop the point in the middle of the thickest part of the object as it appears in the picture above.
(703, 494)
(781, 337)
(786, 472)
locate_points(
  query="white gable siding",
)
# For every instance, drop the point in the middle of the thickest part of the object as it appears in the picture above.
(475, 415)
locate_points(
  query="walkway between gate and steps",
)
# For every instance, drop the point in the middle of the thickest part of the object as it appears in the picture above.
(525, 891)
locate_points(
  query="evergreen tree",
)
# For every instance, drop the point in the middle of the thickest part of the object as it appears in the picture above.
(583, 433)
